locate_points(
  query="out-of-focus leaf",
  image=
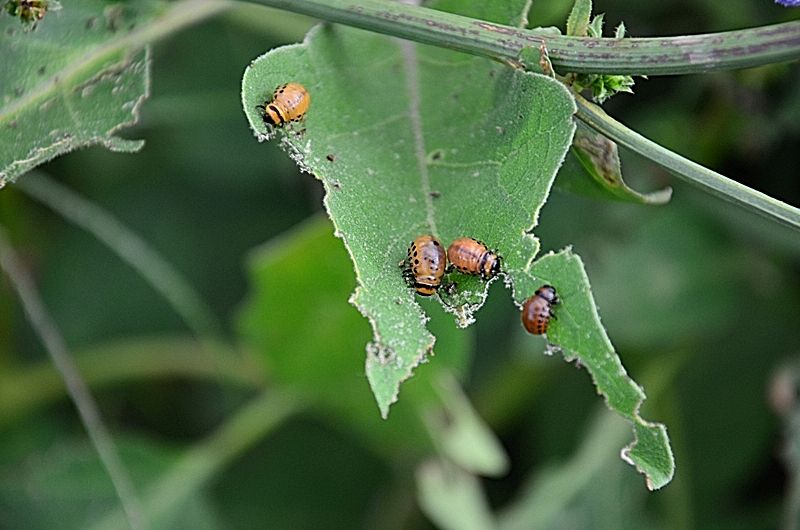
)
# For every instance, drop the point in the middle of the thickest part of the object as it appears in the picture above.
(565, 494)
(64, 486)
(680, 292)
(452, 498)
(309, 475)
(730, 375)
(165, 497)
(462, 436)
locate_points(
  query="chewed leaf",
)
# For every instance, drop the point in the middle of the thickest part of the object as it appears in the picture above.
(452, 498)
(577, 331)
(70, 82)
(323, 367)
(599, 160)
(410, 140)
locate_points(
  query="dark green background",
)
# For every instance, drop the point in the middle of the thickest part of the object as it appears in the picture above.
(696, 284)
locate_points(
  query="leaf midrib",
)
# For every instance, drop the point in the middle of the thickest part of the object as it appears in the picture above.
(410, 67)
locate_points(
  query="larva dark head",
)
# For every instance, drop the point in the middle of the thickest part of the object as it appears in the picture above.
(492, 265)
(548, 292)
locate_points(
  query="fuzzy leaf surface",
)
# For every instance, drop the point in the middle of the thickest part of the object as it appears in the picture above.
(411, 140)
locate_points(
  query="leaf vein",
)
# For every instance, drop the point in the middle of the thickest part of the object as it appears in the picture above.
(415, 120)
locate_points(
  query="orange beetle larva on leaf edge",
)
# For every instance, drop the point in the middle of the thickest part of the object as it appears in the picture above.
(538, 310)
(426, 263)
(289, 102)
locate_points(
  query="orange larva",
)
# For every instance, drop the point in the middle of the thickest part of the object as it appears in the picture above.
(471, 256)
(538, 310)
(426, 264)
(289, 102)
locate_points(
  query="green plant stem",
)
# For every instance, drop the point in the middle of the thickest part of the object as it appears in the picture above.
(687, 170)
(23, 391)
(77, 389)
(203, 461)
(636, 56)
(131, 248)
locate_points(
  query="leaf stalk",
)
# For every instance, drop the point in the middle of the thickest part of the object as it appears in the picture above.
(727, 50)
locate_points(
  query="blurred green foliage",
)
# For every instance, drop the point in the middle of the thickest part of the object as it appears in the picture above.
(701, 300)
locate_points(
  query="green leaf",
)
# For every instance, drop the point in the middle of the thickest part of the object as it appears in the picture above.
(578, 21)
(410, 158)
(60, 91)
(619, 33)
(409, 140)
(79, 76)
(308, 337)
(665, 266)
(463, 437)
(595, 28)
(577, 331)
(597, 157)
(68, 487)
